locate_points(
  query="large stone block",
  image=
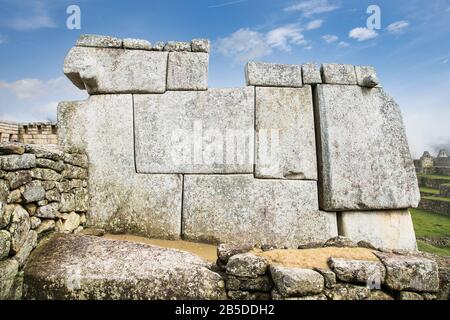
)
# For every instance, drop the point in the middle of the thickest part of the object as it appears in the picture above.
(241, 209)
(195, 132)
(187, 71)
(364, 156)
(120, 199)
(285, 142)
(383, 229)
(103, 70)
(338, 73)
(273, 75)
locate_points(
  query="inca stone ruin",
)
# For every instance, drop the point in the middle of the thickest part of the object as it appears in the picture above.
(302, 157)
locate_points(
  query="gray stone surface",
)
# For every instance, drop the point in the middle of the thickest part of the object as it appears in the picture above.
(18, 162)
(19, 228)
(358, 271)
(410, 273)
(8, 272)
(77, 200)
(6, 212)
(82, 267)
(53, 195)
(18, 178)
(73, 172)
(58, 166)
(285, 141)
(101, 70)
(291, 282)
(48, 211)
(328, 276)
(158, 46)
(247, 265)
(366, 76)
(177, 46)
(260, 284)
(45, 226)
(121, 200)
(79, 160)
(93, 40)
(345, 291)
(273, 75)
(409, 296)
(363, 130)
(225, 251)
(311, 73)
(200, 45)
(340, 242)
(45, 174)
(187, 71)
(33, 192)
(29, 244)
(5, 244)
(383, 229)
(338, 74)
(194, 132)
(136, 44)
(252, 211)
(11, 148)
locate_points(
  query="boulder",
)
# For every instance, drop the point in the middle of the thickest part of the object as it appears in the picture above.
(82, 267)
(358, 271)
(291, 282)
(247, 265)
(273, 75)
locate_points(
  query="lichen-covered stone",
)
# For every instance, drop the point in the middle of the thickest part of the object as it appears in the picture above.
(340, 242)
(177, 46)
(248, 296)
(260, 284)
(408, 296)
(382, 176)
(45, 174)
(247, 265)
(200, 45)
(8, 272)
(379, 295)
(291, 282)
(79, 160)
(68, 223)
(92, 40)
(58, 166)
(77, 201)
(311, 73)
(35, 222)
(34, 192)
(47, 225)
(5, 244)
(18, 162)
(225, 251)
(328, 276)
(136, 44)
(50, 152)
(81, 267)
(158, 46)
(53, 195)
(285, 141)
(338, 74)
(19, 228)
(48, 211)
(18, 178)
(73, 172)
(358, 271)
(15, 196)
(253, 211)
(187, 71)
(384, 229)
(366, 76)
(185, 132)
(6, 212)
(345, 291)
(273, 75)
(102, 71)
(29, 244)
(410, 273)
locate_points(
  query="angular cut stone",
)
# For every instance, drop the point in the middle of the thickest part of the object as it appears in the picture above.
(177, 46)
(285, 141)
(252, 211)
(19, 228)
(34, 192)
(101, 70)
(121, 200)
(137, 44)
(338, 74)
(195, 132)
(291, 282)
(410, 273)
(187, 71)
(311, 73)
(363, 130)
(247, 265)
(383, 229)
(81, 267)
(357, 271)
(200, 45)
(92, 40)
(18, 162)
(273, 75)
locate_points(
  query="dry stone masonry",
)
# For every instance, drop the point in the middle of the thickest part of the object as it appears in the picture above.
(301, 154)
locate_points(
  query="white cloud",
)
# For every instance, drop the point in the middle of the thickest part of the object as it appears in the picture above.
(398, 27)
(246, 44)
(343, 44)
(330, 38)
(362, 34)
(312, 7)
(34, 88)
(315, 24)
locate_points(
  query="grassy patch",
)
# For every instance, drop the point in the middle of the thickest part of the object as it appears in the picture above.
(437, 198)
(429, 190)
(425, 247)
(429, 224)
(434, 177)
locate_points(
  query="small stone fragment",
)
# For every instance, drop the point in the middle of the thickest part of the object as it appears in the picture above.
(177, 46)
(91, 40)
(35, 222)
(273, 75)
(137, 44)
(366, 76)
(340, 242)
(200, 45)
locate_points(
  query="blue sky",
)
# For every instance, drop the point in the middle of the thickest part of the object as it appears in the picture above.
(411, 51)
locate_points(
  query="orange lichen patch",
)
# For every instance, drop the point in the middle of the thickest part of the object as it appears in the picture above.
(205, 251)
(314, 258)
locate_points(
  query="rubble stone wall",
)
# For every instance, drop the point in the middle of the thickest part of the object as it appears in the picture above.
(29, 133)
(43, 189)
(280, 160)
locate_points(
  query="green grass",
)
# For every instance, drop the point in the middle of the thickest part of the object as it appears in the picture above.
(437, 198)
(434, 177)
(425, 247)
(429, 190)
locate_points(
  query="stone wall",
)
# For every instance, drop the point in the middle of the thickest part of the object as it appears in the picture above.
(43, 189)
(249, 275)
(279, 161)
(29, 133)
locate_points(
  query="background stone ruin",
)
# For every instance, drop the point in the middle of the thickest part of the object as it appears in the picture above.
(29, 133)
(341, 163)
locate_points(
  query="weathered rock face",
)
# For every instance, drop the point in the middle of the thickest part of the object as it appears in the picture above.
(311, 73)
(351, 118)
(410, 273)
(19, 228)
(5, 244)
(345, 291)
(195, 132)
(121, 200)
(187, 71)
(83, 267)
(247, 265)
(296, 282)
(276, 212)
(273, 75)
(356, 271)
(338, 74)
(383, 229)
(8, 272)
(285, 145)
